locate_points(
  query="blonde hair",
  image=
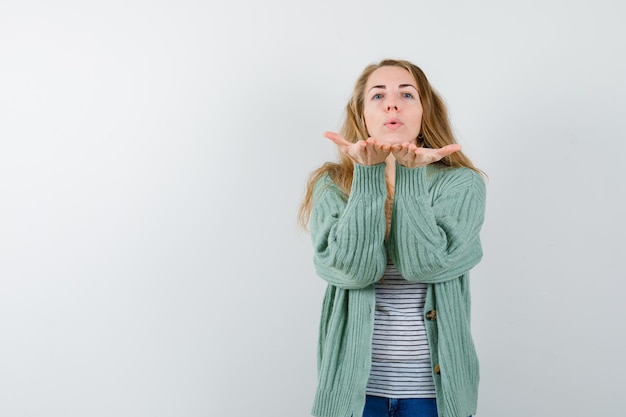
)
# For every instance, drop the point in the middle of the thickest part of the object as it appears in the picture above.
(436, 132)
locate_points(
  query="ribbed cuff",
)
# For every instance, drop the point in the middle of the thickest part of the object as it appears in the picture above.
(369, 179)
(410, 181)
(332, 403)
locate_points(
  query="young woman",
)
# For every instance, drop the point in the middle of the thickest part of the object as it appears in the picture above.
(395, 229)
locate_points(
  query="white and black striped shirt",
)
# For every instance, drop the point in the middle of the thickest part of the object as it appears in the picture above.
(401, 366)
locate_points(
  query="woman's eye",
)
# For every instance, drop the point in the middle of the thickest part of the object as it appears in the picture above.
(407, 95)
(377, 96)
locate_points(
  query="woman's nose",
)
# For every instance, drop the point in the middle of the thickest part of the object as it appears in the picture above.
(391, 106)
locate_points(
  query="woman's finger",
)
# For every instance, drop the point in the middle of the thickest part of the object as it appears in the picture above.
(337, 138)
(449, 149)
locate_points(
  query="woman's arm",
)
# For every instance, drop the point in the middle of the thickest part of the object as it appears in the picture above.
(435, 228)
(348, 236)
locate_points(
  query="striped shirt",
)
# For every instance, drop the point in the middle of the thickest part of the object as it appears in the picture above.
(401, 366)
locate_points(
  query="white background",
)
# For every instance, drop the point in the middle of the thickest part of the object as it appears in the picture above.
(153, 155)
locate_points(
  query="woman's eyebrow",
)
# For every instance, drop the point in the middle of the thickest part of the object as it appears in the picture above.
(384, 87)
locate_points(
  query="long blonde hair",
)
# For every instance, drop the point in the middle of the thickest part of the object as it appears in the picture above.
(436, 132)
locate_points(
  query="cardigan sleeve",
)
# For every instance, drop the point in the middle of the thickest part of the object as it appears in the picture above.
(436, 221)
(348, 233)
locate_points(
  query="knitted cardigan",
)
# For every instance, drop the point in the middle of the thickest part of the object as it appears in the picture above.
(434, 239)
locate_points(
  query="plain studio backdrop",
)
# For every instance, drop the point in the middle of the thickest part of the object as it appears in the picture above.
(153, 156)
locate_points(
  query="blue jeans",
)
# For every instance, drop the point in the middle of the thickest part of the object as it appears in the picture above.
(391, 407)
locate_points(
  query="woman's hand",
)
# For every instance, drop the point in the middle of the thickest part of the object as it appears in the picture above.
(411, 156)
(363, 152)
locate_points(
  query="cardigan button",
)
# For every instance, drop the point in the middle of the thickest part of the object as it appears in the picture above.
(432, 315)
(437, 369)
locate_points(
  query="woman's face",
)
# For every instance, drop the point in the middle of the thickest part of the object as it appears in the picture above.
(392, 108)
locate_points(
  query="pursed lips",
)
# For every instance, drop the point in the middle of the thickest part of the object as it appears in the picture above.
(393, 124)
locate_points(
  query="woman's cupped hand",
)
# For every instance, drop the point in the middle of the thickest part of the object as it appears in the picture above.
(373, 152)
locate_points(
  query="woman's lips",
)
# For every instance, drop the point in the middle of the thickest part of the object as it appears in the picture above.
(393, 124)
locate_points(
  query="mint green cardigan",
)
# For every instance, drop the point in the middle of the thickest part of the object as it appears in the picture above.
(434, 239)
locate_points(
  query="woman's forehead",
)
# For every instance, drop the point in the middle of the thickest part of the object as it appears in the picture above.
(389, 76)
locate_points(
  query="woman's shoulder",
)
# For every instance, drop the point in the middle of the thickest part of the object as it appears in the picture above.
(324, 180)
(325, 183)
